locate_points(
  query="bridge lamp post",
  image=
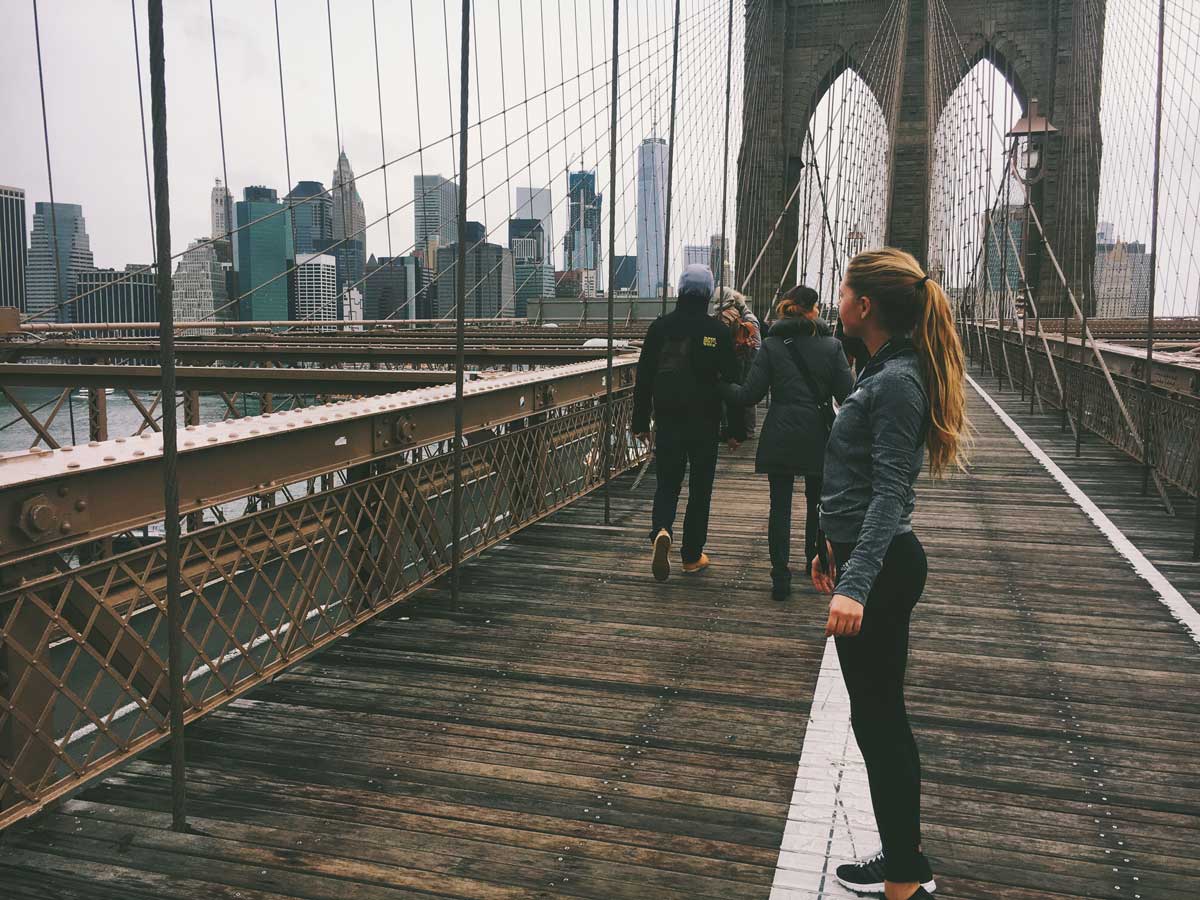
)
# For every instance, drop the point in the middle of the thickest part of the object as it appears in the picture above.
(1030, 136)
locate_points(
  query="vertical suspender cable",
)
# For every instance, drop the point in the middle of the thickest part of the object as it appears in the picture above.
(137, 58)
(725, 161)
(1147, 444)
(461, 304)
(166, 338)
(607, 431)
(59, 300)
(235, 304)
(666, 278)
(387, 202)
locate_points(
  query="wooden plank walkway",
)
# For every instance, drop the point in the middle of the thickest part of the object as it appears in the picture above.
(572, 728)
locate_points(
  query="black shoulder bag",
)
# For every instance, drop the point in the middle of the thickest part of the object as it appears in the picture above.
(824, 403)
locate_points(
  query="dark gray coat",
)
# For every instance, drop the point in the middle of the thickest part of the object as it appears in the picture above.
(792, 440)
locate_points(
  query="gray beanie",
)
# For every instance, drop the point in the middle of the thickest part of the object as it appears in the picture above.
(696, 281)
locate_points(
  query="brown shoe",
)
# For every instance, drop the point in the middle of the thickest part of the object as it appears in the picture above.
(661, 564)
(697, 566)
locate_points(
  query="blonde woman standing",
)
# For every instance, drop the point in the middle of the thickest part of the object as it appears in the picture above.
(907, 400)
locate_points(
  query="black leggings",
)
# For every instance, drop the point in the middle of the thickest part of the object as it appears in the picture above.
(873, 665)
(779, 521)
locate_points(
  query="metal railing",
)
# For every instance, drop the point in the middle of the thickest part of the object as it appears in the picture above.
(1093, 402)
(83, 670)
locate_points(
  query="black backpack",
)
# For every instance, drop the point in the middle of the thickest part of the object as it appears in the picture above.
(676, 387)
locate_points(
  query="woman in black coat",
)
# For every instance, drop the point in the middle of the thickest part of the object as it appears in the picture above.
(792, 440)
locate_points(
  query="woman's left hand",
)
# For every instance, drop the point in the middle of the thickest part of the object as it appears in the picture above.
(845, 617)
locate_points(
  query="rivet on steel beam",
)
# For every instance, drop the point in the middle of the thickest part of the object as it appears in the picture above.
(65, 527)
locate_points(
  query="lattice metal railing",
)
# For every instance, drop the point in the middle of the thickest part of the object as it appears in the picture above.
(84, 650)
(1174, 421)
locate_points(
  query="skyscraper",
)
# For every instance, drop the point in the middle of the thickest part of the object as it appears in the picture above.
(1122, 279)
(391, 289)
(651, 215)
(312, 217)
(489, 281)
(533, 273)
(582, 242)
(1004, 243)
(435, 210)
(535, 203)
(719, 261)
(200, 283)
(349, 216)
(221, 208)
(316, 288)
(58, 229)
(693, 255)
(625, 279)
(108, 295)
(349, 227)
(263, 254)
(12, 247)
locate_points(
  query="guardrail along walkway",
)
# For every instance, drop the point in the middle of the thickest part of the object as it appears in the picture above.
(574, 729)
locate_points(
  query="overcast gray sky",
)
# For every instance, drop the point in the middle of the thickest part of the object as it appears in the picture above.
(95, 132)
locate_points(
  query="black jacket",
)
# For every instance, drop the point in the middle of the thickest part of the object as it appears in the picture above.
(712, 358)
(792, 440)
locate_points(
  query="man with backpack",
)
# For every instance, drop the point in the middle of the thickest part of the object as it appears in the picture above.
(684, 354)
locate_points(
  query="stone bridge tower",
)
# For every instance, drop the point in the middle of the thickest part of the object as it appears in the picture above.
(795, 49)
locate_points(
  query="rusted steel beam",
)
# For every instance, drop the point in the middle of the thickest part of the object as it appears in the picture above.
(218, 378)
(349, 326)
(85, 492)
(206, 352)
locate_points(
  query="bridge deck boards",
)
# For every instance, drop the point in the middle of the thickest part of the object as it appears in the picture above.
(573, 729)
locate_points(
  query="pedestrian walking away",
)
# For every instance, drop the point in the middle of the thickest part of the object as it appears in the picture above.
(908, 399)
(732, 308)
(683, 355)
(804, 369)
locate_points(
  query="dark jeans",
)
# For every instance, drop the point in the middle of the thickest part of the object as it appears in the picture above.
(779, 521)
(675, 450)
(873, 665)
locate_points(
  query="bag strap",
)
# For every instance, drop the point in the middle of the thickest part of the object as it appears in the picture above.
(805, 371)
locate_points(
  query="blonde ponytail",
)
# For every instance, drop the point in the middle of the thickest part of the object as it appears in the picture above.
(911, 302)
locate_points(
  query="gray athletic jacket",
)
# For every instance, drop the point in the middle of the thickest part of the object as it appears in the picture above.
(874, 456)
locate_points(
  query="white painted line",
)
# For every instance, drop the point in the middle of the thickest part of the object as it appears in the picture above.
(1174, 601)
(830, 819)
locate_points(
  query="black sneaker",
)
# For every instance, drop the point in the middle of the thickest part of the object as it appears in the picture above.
(865, 876)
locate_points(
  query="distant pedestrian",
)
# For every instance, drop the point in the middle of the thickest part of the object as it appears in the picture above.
(734, 311)
(804, 370)
(683, 355)
(908, 398)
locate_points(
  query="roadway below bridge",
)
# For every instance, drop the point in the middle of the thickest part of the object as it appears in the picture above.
(572, 728)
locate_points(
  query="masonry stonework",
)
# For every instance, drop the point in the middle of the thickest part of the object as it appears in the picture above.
(795, 49)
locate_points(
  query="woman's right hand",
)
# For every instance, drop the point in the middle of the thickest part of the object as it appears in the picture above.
(824, 579)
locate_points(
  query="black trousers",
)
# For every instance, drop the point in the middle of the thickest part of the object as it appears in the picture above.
(676, 451)
(873, 665)
(779, 521)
